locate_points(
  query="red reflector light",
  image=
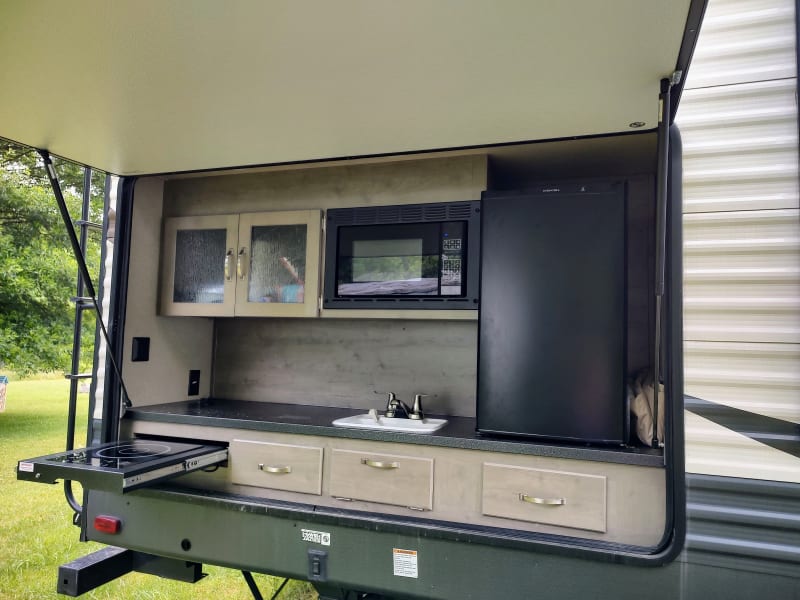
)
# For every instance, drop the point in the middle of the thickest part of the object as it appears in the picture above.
(107, 524)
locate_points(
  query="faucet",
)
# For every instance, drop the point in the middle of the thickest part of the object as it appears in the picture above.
(396, 408)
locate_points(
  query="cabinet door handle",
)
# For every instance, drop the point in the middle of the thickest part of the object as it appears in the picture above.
(241, 263)
(275, 469)
(379, 464)
(543, 501)
(228, 261)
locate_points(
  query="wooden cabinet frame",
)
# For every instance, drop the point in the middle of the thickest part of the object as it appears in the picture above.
(168, 306)
(238, 229)
(310, 306)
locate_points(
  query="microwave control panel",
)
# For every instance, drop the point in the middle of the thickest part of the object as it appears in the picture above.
(452, 258)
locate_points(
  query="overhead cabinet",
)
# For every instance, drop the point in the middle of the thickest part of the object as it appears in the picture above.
(250, 264)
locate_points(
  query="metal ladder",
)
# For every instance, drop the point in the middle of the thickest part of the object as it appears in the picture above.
(82, 304)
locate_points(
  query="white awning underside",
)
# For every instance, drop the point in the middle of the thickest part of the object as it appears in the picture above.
(151, 86)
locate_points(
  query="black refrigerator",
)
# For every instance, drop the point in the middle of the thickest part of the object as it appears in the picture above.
(551, 354)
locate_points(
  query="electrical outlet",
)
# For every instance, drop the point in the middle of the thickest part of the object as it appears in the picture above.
(194, 383)
(140, 349)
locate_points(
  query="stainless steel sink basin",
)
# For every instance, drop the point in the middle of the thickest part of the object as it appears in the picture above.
(381, 423)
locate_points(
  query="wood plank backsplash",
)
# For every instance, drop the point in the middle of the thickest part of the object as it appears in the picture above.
(343, 362)
(455, 178)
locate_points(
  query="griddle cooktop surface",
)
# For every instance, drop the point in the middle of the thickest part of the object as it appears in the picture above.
(122, 466)
(124, 455)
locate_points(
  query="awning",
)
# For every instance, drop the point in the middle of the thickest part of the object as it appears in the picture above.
(154, 86)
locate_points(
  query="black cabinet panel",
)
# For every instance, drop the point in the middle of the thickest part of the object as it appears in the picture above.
(552, 317)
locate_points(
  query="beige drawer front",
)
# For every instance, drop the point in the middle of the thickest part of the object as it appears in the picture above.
(385, 478)
(543, 496)
(276, 466)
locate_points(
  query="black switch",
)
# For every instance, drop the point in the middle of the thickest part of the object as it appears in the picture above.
(194, 383)
(317, 565)
(140, 349)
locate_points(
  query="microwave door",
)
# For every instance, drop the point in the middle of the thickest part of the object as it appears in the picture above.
(389, 260)
(418, 257)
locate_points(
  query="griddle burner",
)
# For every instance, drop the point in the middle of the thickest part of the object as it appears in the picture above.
(136, 449)
(125, 455)
(122, 466)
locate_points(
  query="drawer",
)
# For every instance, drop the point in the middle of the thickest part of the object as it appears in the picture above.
(543, 496)
(386, 478)
(276, 466)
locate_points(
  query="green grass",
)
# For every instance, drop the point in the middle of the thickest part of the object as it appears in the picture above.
(36, 531)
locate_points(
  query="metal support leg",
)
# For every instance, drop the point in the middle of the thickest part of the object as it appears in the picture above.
(251, 583)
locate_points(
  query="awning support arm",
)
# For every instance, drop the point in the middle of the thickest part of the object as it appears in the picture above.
(661, 237)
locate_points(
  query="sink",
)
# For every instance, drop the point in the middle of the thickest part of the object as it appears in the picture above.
(368, 421)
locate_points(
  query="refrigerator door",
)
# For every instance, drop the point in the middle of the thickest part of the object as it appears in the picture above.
(552, 318)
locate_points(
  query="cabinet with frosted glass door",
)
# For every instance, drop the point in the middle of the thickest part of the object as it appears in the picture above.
(251, 264)
(278, 264)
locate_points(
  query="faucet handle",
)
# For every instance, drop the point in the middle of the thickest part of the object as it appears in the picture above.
(416, 409)
(391, 403)
(390, 399)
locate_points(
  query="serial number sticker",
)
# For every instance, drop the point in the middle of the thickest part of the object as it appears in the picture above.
(318, 537)
(405, 563)
(26, 467)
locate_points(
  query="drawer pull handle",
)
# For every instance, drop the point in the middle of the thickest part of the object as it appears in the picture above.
(379, 464)
(543, 501)
(277, 470)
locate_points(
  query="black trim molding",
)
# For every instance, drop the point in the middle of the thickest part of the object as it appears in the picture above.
(690, 35)
(117, 296)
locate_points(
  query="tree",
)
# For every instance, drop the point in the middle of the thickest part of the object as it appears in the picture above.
(26, 165)
(37, 270)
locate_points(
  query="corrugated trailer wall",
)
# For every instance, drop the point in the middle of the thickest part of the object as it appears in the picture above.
(738, 117)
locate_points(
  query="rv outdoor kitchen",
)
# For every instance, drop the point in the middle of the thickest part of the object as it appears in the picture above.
(409, 366)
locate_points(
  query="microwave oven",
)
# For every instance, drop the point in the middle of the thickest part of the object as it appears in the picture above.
(414, 256)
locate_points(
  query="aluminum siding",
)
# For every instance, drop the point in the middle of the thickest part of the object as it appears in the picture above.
(743, 525)
(738, 117)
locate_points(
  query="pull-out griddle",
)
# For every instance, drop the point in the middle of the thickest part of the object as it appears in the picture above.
(122, 466)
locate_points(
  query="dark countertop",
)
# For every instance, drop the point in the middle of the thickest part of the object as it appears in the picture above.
(316, 420)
